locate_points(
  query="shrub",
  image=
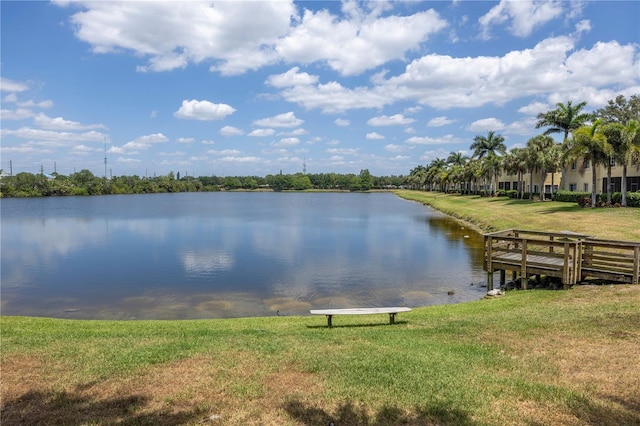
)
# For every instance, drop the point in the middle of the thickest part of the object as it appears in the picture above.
(584, 201)
(633, 199)
(571, 196)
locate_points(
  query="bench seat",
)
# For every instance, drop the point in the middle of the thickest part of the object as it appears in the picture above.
(392, 311)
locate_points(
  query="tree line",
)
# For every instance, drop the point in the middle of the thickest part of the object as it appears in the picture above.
(608, 135)
(84, 182)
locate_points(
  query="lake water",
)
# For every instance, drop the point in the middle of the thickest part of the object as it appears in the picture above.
(230, 254)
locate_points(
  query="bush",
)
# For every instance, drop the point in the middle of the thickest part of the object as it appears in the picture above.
(512, 193)
(633, 199)
(571, 196)
(584, 202)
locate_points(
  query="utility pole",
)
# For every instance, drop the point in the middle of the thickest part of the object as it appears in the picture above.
(105, 157)
(10, 168)
(304, 166)
(55, 168)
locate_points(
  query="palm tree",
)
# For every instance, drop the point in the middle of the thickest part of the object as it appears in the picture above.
(553, 163)
(491, 144)
(538, 147)
(515, 164)
(435, 169)
(457, 159)
(625, 141)
(590, 144)
(564, 119)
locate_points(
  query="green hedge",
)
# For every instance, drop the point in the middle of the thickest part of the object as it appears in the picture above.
(571, 196)
(633, 198)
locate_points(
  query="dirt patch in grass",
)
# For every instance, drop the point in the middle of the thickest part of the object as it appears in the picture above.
(241, 390)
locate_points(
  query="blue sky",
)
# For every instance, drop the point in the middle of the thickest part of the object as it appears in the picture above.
(255, 88)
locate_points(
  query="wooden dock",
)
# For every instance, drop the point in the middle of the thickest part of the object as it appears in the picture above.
(568, 256)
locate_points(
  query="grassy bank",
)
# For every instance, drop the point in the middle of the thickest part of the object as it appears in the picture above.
(495, 214)
(537, 357)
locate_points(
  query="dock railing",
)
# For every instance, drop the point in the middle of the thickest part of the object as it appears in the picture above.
(527, 253)
(569, 256)
(611, 260)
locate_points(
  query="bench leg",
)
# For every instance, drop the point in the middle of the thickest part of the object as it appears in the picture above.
(392, 318)
(329, 320)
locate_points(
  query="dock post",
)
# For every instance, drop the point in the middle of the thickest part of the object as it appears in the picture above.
(503, 278)
(489, 281)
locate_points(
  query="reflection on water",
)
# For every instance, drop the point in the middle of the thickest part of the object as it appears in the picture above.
(217, 255)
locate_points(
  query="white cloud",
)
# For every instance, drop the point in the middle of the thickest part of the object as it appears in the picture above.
(374, 136)
(34, 104)
(291, 78)
(523, 15)
(231, 131)
(440, 121)
(287, 142)
(442, 140)
(343, 151)
(152, 139)
(115, 150)
(395, 148)
(185, 140)
(7, 85)
(82, 149)
(583, 26)
(203, 110)
(534, 108)
(262, 132)
(16, 114)
(51, 135)
(296, 132)
(128, 160)
(247, 159)
(332, 97)
(173, 34)
(394, 120)
(342, 122)
(226, 152)
(59, 123)
(486, 124)
(144, 142)
(358, 41)
(287, 119)
(551, 67)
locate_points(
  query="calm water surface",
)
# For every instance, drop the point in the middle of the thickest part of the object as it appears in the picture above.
(215, 255)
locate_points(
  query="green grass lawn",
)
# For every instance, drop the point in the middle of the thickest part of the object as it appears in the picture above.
(529, 357)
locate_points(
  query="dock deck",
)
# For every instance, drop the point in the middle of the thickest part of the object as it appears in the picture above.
(568, 256)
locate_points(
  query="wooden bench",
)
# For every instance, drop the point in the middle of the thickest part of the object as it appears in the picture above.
(392, 311)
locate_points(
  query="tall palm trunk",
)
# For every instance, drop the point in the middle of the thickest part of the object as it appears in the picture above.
(623, 186)
(594, 181)
(609, 183)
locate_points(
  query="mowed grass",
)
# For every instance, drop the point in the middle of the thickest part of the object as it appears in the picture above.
(529, 357)
(498, 213)
(526, 358)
